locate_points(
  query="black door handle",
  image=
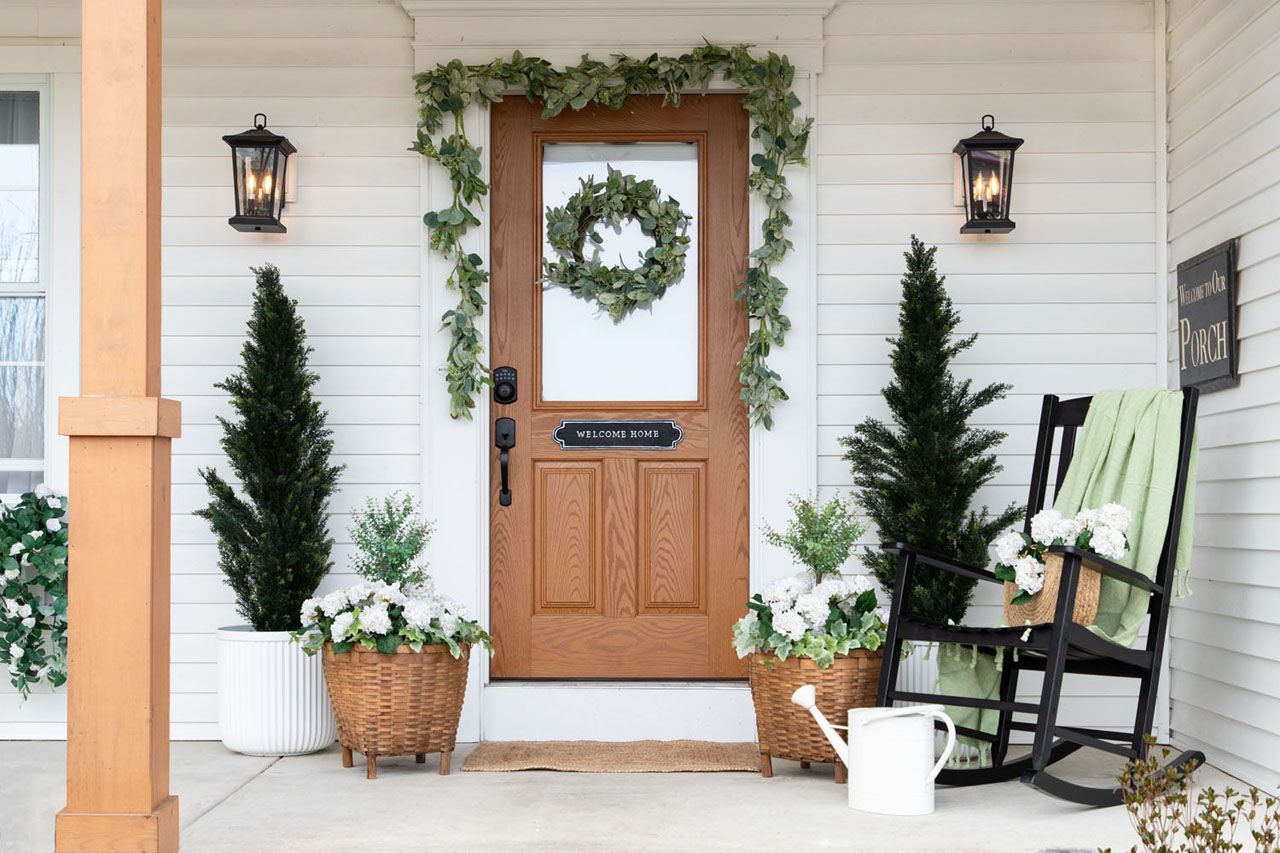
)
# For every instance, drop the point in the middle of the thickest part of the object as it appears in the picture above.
(504, 438)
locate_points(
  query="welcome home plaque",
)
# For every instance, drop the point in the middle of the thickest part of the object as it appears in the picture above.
(618, 435)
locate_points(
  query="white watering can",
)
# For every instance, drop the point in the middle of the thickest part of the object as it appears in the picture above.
(889, 754)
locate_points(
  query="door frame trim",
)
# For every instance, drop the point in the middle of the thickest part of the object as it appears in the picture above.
(455, 474)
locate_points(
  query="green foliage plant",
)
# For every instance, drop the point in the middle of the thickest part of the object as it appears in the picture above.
(918, 475)
(1169, 818)
(620, 197)
(389, 536)
(449, 89)
(33, 590)
(819, 535)
(273, 542)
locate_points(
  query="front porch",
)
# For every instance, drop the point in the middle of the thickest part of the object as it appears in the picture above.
(245, 804)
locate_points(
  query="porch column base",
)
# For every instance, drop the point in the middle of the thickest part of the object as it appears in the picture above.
(156, 832)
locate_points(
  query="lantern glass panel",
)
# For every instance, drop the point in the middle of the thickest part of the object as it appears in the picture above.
(258, 180)
(987, 180)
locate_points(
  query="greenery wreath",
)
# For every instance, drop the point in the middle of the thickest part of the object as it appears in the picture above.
(620, 197)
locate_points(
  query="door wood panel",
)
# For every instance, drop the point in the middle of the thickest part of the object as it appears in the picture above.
(671, 524)
(611, 563)
(568, 545)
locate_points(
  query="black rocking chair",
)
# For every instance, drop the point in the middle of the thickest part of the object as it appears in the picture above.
(1056, 649)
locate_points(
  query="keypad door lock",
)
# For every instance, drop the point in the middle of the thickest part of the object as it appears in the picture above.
(504, 385)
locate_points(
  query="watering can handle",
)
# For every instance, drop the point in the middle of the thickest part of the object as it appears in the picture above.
(951, 743)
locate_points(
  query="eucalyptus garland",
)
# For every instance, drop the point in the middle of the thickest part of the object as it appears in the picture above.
(620, 197)
(450, 88)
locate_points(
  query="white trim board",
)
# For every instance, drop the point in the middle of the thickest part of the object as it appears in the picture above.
(456, 453)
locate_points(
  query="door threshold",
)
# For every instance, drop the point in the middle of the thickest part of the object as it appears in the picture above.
(617, 710)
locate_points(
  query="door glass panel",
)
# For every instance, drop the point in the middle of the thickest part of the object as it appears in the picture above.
(652, 354)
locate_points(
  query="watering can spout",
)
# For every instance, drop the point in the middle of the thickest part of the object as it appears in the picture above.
(807, 697)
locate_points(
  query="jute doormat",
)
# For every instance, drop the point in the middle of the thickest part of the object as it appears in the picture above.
(593, 756)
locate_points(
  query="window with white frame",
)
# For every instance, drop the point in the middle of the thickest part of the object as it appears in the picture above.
(22, 293)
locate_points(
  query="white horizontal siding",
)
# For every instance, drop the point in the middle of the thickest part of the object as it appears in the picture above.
(1224, 182)
(335, 79)
(1065, 303)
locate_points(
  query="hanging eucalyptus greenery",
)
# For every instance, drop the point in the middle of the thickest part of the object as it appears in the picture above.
(783, 137)
(620, 197)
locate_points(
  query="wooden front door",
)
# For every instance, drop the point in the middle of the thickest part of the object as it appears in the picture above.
(617, 563)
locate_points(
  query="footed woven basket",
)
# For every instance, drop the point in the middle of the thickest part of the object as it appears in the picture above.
(786, 730)
(1039, 609)
(407, 703)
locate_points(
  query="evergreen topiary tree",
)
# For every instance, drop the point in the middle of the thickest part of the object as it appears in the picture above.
(918, 477)
(273, 543)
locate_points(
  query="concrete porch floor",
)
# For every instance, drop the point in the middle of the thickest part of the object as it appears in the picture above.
(240, 804)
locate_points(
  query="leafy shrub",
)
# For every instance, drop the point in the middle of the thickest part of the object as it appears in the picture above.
(390, 536)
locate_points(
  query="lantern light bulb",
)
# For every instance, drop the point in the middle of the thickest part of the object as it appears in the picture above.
(266, 183)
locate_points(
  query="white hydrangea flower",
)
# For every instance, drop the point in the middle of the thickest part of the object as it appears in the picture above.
(1045, 525)
(418, 613)
(24, 610)
(814, 607)
(1087, 518)
(858, 584)
(790, 624)
(1115, 515)
(54, 525)
(1008, 547)
(1030, 574)
(449, 624)
(10, 607)
(36, 534)
(10, 574)
(375, 619)
(831, 587)
(781, 594)
(333, 603)
(309, 611)
(342, 625)
(29, 622)
(15, 549)
(16, 651)
(882, 613)
(54, 502)
(1107, 541)
(43, 491)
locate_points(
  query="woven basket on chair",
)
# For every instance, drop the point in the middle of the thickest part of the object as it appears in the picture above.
(407, 703)
(788, 731)
(1041, 606)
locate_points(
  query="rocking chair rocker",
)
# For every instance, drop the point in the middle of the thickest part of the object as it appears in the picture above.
(1057, 648)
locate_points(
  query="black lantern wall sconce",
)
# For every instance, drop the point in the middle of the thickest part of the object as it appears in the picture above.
(986, 167)
(259, 169)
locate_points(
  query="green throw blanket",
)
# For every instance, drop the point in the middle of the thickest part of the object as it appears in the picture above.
(1127, 454)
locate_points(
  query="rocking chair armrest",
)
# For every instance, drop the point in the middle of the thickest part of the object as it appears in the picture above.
(930, 558)
(1108, 568)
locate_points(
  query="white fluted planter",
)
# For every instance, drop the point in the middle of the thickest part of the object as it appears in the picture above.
(271, 695)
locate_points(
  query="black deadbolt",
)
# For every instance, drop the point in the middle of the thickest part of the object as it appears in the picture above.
(504, 385)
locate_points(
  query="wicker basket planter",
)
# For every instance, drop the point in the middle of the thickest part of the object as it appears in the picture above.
(1039, 609)
(786, 730)
(407, 703)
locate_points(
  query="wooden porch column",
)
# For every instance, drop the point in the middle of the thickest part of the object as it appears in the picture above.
(120, 428)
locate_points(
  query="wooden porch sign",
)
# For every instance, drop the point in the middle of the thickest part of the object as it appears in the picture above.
(1207, 346)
